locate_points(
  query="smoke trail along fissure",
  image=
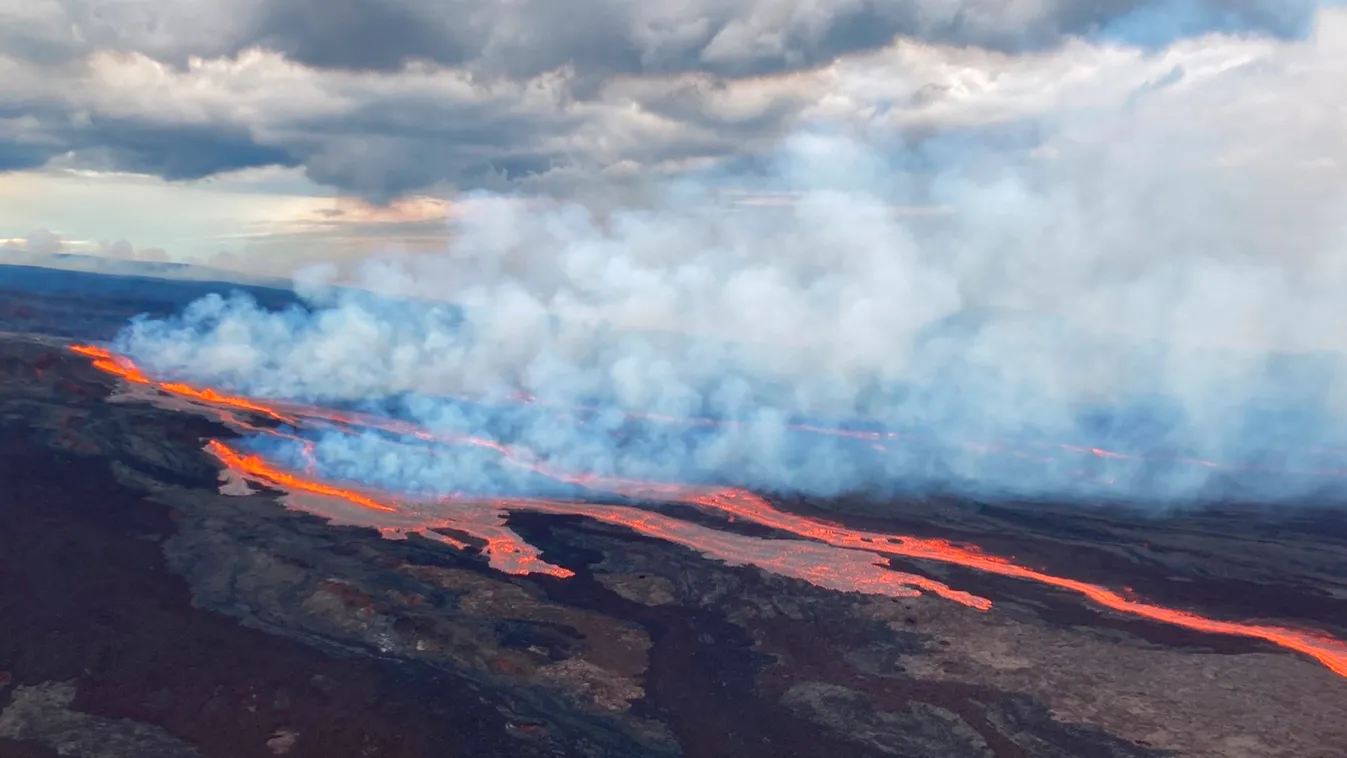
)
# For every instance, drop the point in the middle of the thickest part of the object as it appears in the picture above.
(844, 569)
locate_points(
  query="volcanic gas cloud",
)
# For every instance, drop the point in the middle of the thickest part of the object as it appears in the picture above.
(1033, 342)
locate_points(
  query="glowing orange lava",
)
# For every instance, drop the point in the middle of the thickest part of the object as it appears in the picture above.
(823, 565)
(124, 368)
(826, 554)
(259, 468)
(1327, 650)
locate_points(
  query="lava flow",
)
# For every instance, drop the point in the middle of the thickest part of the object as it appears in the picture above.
(124, 368)
(1032, 450)
(826, 554)
(483, 519)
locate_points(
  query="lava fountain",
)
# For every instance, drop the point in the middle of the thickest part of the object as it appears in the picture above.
(823, 553)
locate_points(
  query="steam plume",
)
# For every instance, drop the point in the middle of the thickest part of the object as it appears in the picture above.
(1136, 302)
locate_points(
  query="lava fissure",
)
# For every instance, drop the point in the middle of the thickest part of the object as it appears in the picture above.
(877, 438)
(826, 554)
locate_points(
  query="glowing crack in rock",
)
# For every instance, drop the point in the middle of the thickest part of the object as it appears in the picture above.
(825, 554)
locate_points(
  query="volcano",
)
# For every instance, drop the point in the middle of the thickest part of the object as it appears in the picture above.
(188, 571)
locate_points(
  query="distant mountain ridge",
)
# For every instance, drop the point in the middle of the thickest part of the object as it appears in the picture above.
(95, 305)
(96, 264)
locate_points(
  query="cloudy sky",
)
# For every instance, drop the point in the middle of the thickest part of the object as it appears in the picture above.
(262, 134)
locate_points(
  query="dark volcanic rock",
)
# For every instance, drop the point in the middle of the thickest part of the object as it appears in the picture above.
(92, 618)
(143, 612)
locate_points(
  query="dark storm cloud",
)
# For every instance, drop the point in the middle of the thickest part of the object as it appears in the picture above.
(386, 139)
(25, 141)
(607, 37)
(726, 38)
(15, 157)
(174, 151)
(388, 134)
(381, 168)
(178, 151)
(400, 143)
(356, 34)
(22, 145)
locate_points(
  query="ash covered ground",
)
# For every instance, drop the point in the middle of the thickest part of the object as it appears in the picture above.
(145, 612)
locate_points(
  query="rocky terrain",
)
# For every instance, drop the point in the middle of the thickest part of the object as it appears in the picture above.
(147, 611)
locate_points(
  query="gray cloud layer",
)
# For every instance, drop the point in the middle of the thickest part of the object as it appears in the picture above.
(357, 92)
(608, 37)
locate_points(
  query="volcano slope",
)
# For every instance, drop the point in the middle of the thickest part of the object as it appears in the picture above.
(160, 599)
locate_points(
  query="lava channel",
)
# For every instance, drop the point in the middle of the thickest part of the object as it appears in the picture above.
(484, 519)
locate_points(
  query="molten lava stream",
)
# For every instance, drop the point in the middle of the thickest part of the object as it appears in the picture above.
(838, 570)
(844, 569)
(124, 368)
(823, 565)
(745, 505)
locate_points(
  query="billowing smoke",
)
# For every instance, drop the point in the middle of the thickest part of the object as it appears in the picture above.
(1141, 301)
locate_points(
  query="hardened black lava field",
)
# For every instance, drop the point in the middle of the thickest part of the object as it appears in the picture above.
(158, 602)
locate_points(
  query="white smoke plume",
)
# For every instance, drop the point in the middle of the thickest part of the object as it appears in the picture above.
(1148, 264)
